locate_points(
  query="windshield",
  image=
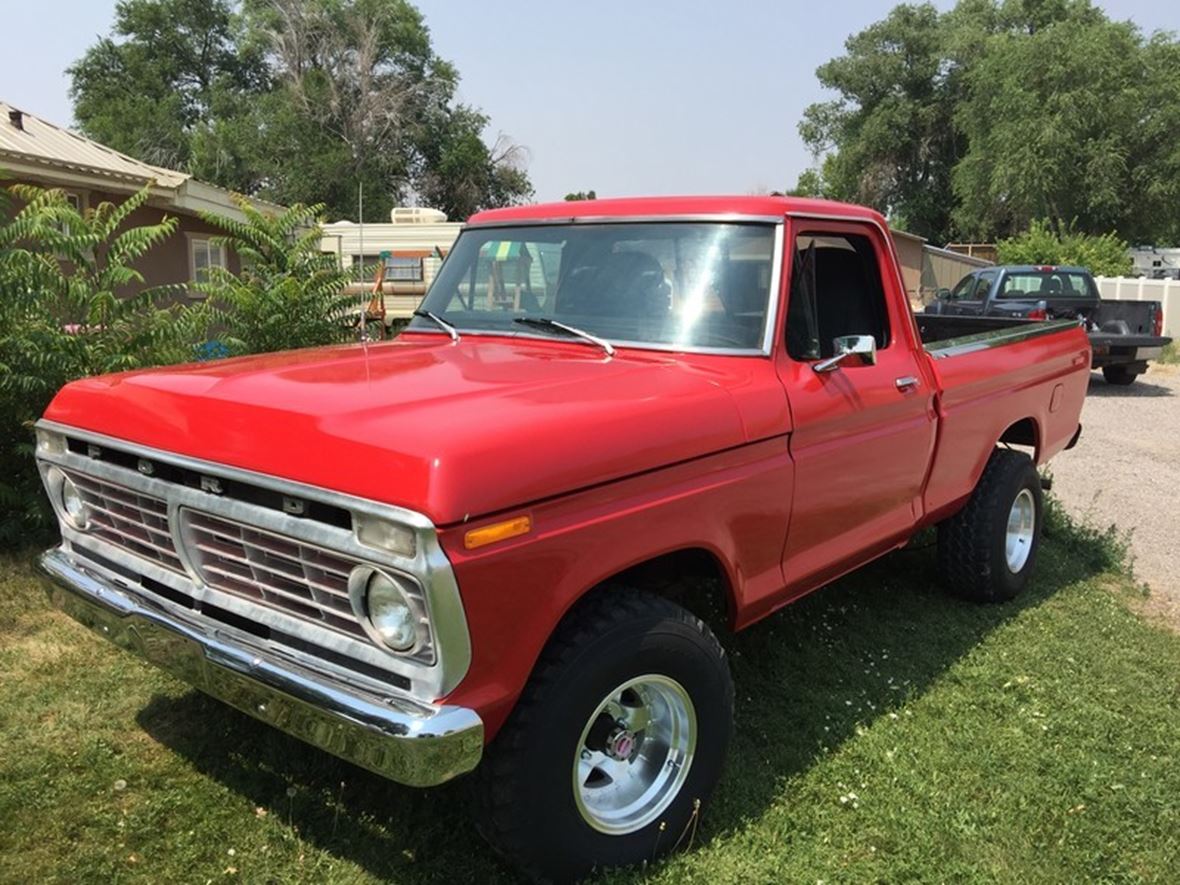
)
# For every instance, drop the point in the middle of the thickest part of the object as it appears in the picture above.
(677, 284)
(1049, 284)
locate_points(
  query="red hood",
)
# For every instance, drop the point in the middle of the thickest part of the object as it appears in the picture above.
(448, 430)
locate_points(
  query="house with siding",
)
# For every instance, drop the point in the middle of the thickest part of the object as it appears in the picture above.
(35, 151)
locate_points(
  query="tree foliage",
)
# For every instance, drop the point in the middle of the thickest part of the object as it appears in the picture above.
(975, 122)
(888, 139)
(160, 86)
(288, 294)
(581, 195)
(1105, 255)
(65, 314)
(295, 101)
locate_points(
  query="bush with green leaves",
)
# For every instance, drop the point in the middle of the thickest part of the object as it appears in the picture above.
(1105, 255)
(287, 294)
(65, 313)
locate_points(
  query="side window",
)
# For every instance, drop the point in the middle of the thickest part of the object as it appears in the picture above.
(203, 255)
(963, 288)
(983, 286)
(836, 290)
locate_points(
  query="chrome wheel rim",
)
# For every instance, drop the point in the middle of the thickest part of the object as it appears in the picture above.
(1021, 526)
(634, 754)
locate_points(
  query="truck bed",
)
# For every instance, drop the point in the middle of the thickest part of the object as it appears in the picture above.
(944, 336)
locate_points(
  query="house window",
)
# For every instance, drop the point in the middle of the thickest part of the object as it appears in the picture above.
(403, 270)
(204, 255)
(74, 201)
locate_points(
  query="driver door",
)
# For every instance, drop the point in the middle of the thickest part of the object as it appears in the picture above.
(864, 431)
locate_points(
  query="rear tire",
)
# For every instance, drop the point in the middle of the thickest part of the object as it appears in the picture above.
(616, 743)
(1119, 375)
(987, 551)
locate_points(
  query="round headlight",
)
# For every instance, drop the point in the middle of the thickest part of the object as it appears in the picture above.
(72, 504)
(390, 613)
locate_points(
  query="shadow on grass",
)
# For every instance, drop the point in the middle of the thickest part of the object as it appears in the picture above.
(806, 679)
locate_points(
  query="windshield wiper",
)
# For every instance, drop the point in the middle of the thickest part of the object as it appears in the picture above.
(546, 323)
(440, 322)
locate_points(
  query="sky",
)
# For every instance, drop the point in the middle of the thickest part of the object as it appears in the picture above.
(624, 97)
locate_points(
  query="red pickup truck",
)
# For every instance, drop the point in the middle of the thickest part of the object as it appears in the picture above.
(465, 548)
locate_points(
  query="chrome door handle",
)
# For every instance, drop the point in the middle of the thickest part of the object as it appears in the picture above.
(906, 382)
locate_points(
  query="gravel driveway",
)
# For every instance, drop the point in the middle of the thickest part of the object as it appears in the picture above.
(1126, 471)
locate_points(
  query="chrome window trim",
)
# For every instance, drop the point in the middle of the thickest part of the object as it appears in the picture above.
(887, 238)
(429, 567)
(734, 217)
(774, 294)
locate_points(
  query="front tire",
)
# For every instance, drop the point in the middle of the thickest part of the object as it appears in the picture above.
(986, 551)
(1119, 375)
(616, 743)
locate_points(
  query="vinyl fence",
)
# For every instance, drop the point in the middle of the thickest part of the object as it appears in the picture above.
(1167, 292)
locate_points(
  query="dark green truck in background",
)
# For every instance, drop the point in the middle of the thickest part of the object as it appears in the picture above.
(1124, 334)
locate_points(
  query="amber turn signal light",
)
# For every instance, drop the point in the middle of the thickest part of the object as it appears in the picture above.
(497, 531)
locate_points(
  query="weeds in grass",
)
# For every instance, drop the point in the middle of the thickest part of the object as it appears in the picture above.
(1100, 549)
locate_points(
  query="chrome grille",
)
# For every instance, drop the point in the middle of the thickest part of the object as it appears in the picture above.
(304, 581)
(129, 519)
(224, 545)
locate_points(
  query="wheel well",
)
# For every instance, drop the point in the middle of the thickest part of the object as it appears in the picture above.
(1024, 433)
(693, 577)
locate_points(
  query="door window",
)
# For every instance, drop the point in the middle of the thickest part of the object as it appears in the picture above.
(983, 285)
(836, 290)
(965, 288)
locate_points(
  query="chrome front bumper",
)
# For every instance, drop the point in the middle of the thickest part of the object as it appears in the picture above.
(411, 743)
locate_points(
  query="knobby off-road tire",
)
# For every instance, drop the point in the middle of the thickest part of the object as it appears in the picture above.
(627, 676)
(1120, 375)
(987, 551)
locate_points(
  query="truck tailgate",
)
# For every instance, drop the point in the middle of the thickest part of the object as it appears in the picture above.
(1112, 339)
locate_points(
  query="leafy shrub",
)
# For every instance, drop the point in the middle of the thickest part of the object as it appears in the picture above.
(1105, 255)
(63, 316)
(288, 294)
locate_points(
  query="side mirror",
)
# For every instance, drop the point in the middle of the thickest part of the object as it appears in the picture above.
(942, 294)
(863, 347)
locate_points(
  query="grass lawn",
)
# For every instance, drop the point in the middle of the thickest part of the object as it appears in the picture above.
(884, 732)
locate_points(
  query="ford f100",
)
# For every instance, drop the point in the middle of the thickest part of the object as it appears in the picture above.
(460, 550)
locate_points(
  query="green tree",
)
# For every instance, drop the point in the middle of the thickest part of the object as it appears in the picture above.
(581, 195)
(887, 139)
(159, 87)
(1050, 116)
(288, 293)
(1105, 255)
(974, 122)
(810, 184)
(295, 101)
(460, 174)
